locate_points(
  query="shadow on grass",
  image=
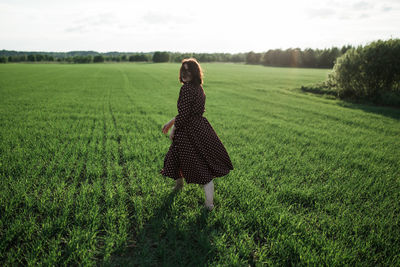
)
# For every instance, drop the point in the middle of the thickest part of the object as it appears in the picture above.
(164, 242)
(384, 110)
(318, 89)
(387, 111)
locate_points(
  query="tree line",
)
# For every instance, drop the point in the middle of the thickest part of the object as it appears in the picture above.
(308, 58)
(292, 57)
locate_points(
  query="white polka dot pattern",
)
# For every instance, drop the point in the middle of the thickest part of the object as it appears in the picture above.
(196, 153)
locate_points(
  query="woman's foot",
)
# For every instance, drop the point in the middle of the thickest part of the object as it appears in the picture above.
(209, 207)
(178, 184)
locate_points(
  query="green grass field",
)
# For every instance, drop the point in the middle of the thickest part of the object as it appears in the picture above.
(316, 180)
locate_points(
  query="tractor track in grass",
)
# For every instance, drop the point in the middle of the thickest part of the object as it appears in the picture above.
(55, 159)
(135, 105)
(103, 143)
(121, 159)
(83, 171)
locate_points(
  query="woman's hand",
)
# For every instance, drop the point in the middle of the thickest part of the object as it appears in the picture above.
(168, 125)
(171, 136)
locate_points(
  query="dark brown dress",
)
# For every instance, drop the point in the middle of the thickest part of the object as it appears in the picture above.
(196, 152)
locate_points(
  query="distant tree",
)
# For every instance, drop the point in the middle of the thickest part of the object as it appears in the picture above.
(345, 48)
(286, 58)
(309, 58)
(178, 57)
(267, 58)
(31, 58)
(238, 58)
(3, 59)
(116, 58)
(160, 57)
(225, 57)
(295, 57)
(98, 58)
(334, 54)
(77, 59)
(205, 58)
(39, 57)
(82, 59)
(253, 58)
(272, 57)
(327, 57)
(138, 58)
(22, 58)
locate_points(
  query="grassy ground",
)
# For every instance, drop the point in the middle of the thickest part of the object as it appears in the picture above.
(316, 180)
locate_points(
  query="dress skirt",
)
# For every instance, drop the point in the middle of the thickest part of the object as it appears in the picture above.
(196, 151)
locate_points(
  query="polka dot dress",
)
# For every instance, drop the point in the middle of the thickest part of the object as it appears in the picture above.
(196, 152)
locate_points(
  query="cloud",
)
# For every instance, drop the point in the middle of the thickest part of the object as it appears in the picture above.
(364, 16)
(87, 23)
(386, 8)
(362, 5)
(79, 28)
(349, 10)
(99, 19)
(164, 18)
(320, 12)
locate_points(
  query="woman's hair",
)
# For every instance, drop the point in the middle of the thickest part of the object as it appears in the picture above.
(194, 68)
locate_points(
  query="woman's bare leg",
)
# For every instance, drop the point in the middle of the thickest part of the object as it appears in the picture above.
(209, 193)
(179, 182)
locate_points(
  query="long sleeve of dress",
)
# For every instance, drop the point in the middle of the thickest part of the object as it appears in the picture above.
(184, 106)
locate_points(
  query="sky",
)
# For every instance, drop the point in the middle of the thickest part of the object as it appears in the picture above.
(194, 26)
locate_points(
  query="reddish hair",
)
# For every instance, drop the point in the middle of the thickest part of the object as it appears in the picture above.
(194, 68)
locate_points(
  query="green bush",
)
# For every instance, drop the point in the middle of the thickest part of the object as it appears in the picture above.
(371, 72)
(138, 58)
(98, 58)
(160, 57)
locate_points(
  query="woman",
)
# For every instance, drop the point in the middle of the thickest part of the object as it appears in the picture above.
(196, 153)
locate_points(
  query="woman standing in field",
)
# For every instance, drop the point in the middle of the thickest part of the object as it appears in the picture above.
(196, 153)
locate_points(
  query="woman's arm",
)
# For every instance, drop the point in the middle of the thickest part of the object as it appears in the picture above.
(184, 106)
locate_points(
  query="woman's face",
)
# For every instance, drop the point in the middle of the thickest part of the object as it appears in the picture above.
(186, 75)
